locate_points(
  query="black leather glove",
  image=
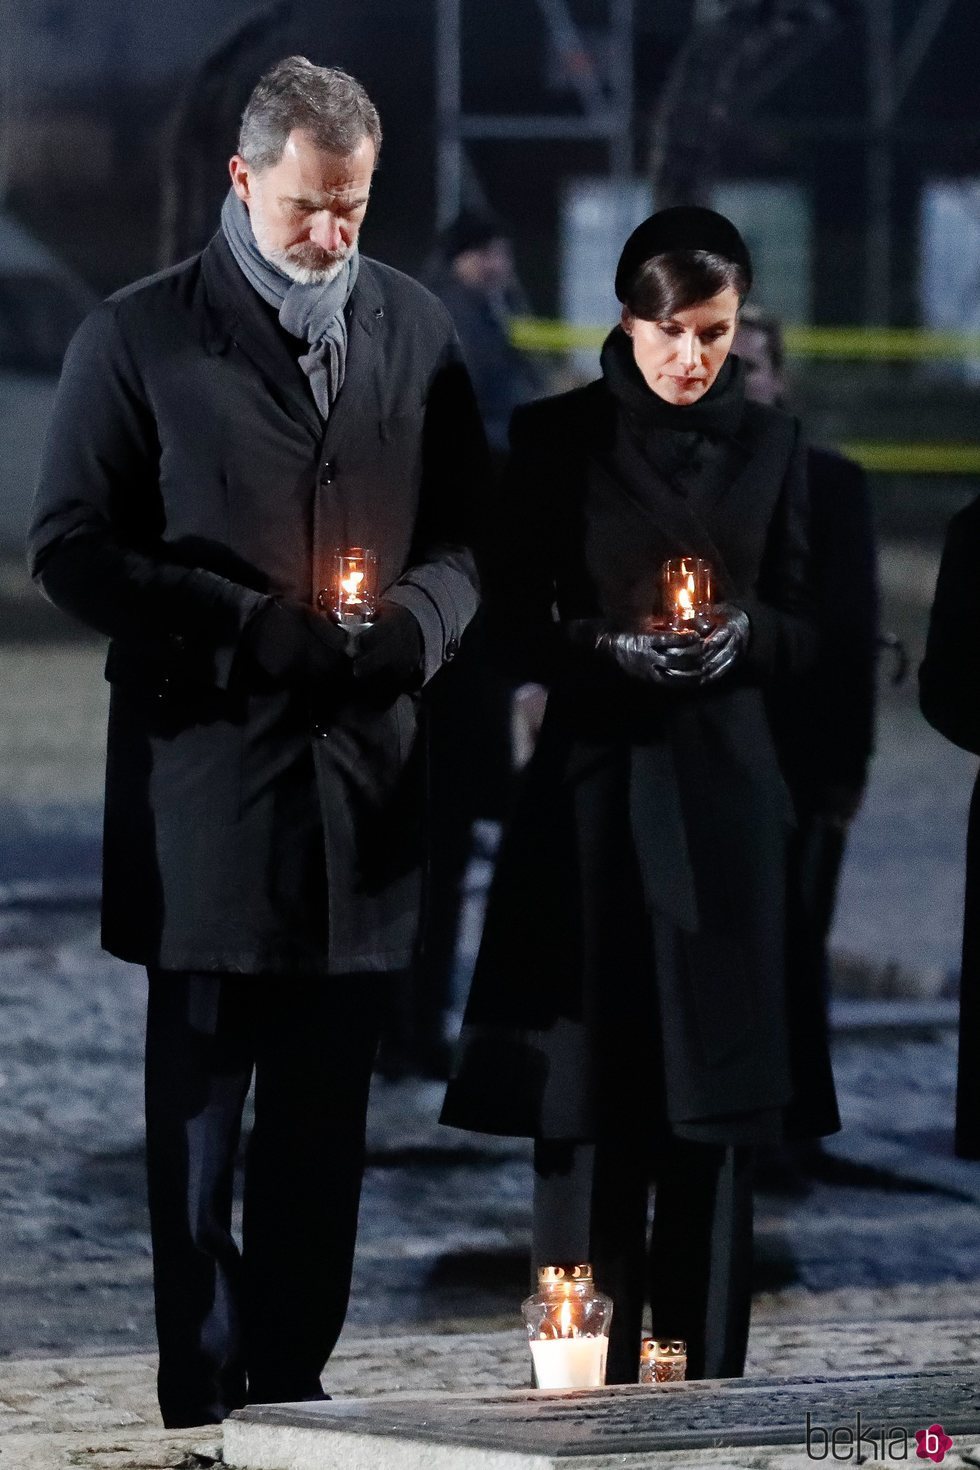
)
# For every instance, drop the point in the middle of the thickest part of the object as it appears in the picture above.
(288, 644)
(727, 641)
(658, 657)
(388, 653)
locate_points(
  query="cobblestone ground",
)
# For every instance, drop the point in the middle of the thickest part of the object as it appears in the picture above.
(883, 1224)
(884, 1219)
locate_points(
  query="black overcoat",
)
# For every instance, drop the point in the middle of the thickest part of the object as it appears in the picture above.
(824, 721)
(188, 477)
(666, 809)
(949, 692)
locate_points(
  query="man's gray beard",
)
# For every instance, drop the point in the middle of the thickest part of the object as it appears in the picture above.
(305, 275)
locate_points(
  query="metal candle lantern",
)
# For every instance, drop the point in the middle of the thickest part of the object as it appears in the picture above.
(353, 595)
(567, 1323)
(686, 583)
(663, 1360)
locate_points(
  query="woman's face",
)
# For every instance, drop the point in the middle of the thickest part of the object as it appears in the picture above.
(681, 357)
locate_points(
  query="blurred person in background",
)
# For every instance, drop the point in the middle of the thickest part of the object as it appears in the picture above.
(629, 1009)
(219, 430)
(824, 721)
(470, 707)
(949, 695)
(474, 279)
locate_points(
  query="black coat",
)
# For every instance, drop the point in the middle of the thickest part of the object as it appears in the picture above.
(651, 829)
(949, 692)
(824, 721)
(187, 478)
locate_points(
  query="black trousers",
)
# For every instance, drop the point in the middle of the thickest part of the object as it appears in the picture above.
(256, 1324)
(590, 1204)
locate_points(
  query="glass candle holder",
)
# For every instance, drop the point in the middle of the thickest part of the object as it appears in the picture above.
(567, 1323)
(687, 591)
(352, 597)
(663, 1360)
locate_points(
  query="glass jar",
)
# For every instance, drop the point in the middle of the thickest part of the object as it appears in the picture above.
(352, 597)
(567, 1323)
(663, 1360)
(687, 591)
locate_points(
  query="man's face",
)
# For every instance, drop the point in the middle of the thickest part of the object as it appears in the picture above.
(488, 267)
(306, 210)
(763, 384)
(681, 357)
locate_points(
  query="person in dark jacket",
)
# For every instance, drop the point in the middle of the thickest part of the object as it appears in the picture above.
(469, 711)
(949, 681)
(824, 723)
(475, 282)
(219, 430)
(629, 1009)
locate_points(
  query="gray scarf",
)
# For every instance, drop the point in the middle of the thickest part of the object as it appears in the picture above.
(314, 313)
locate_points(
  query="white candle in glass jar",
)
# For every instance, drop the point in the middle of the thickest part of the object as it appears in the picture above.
(570, 1362)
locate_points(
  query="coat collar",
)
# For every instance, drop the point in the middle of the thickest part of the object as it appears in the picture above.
(239, 316)
(735, 518)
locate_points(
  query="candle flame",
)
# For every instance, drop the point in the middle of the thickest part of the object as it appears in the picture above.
(685, 597)
(565, 1320)
(351, 585)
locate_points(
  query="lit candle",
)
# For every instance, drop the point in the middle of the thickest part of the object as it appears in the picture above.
(567, 1324)
(686, 582)
(353, 598)
(570, 1362)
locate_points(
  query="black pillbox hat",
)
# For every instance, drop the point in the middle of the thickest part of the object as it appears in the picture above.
(685, 227)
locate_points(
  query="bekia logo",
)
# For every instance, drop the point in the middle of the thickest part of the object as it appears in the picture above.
(933, 1443)
(890, 1442)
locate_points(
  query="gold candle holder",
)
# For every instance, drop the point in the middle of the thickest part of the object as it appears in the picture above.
(663, 1360)
(687, 591)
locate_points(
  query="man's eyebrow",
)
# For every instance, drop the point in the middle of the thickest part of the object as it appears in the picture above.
(325, 199)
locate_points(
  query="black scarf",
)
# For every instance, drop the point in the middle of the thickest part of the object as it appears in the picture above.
(690, 446)
(718, 412)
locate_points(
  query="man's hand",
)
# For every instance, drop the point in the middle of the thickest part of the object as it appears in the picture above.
(289, 645)
(388, 653)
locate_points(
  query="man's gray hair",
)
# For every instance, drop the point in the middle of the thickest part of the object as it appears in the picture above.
(324, 101)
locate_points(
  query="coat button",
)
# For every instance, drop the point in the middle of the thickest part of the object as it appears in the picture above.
(452, 648)
(327, 470)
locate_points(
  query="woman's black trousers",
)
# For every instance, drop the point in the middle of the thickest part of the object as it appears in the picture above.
(590, 1204)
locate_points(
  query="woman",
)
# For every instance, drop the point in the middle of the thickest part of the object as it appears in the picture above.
(630, 1010)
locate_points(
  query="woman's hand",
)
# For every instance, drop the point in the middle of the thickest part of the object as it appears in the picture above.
(661, 656)
(725, 644)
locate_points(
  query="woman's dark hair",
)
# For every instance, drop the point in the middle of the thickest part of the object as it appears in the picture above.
(677, 279)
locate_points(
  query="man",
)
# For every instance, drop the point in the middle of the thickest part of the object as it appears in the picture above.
(475, 282)
(824, 724)
(220, 429)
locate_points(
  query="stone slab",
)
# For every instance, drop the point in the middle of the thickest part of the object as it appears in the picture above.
(625, 1426)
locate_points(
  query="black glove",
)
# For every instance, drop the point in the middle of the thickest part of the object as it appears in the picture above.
(288, 644)
(658, 657)
(727, 641)
(388, 653)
